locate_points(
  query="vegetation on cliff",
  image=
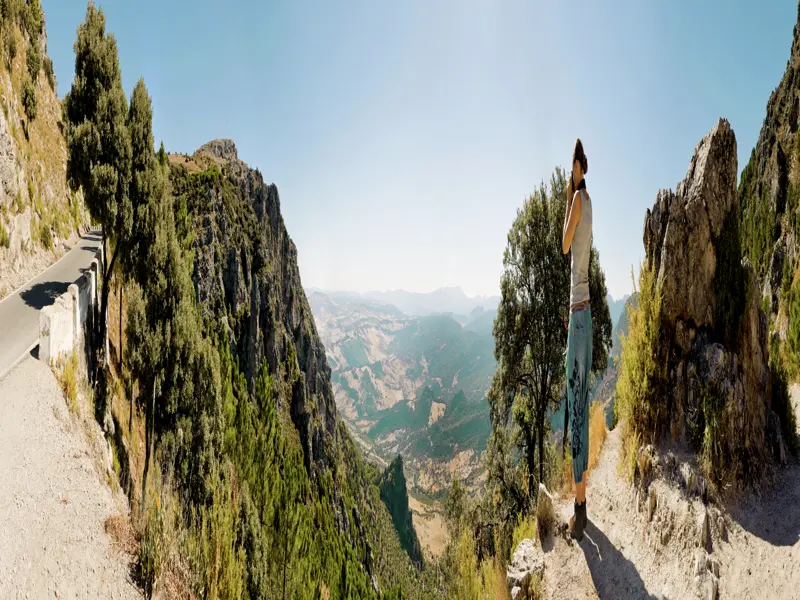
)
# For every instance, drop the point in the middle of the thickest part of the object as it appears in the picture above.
(245, 454)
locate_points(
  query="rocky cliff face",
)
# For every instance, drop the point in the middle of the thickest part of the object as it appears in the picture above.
(714, 334)
(395, 497)
(246, 267)
(770, 189)
(38, 213)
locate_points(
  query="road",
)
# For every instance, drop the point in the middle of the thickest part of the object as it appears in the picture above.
(19, 312)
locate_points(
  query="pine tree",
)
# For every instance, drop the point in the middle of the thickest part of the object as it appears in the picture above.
(99, 143)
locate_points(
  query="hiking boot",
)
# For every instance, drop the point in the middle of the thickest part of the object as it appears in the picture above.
(578, 521)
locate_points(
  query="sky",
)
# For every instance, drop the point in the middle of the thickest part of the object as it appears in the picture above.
(404, 136)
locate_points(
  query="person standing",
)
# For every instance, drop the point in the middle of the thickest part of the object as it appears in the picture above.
(577, 237)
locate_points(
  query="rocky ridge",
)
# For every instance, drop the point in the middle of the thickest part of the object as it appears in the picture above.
(714, 333)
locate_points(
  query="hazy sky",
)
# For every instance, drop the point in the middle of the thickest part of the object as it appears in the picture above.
(404, 135)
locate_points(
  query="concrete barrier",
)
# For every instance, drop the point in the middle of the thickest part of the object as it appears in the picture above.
(64, 324)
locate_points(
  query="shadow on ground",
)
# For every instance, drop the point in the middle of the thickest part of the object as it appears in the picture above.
(43, 294)
(613, 575)
(775, 515)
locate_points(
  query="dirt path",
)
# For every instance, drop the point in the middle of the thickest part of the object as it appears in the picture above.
(53, 499)
(626, 555)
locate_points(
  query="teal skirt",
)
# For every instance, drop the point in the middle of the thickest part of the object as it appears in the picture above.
(579, 364)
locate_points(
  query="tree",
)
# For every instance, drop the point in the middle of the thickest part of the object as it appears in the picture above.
(147, 186)
(29, 99)
(530, 337)
(98, 141)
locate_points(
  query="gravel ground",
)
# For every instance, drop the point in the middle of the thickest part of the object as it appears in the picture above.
(54, 498)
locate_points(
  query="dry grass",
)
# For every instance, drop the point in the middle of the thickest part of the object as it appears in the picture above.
(67, 374)
(119, 529)
(545, 514)
(494, 581)
(562, 482)
(597, 433)
(525, 529)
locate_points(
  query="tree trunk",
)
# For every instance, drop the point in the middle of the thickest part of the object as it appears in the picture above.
(540, 418)
(531, 441)
(566, 425)
(148, 435)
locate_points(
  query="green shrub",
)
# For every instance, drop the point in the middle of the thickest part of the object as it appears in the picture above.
(50, 73)
(45, 235)
(793, 335)
(5, 240)
(9, 45)
(34, 60)
(782, 405)
(639, 401)
(12, 11)
(29, 99)
(33, 20)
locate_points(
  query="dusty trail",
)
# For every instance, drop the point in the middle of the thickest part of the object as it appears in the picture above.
(625, 555)
(53, 498)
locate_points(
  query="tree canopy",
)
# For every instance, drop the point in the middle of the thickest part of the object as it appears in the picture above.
(530, 337)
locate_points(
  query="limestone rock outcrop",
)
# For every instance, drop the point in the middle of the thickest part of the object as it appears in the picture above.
(526, 563)
(714, 333)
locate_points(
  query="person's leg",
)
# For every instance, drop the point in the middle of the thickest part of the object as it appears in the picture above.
(571, 405)
(579, 386)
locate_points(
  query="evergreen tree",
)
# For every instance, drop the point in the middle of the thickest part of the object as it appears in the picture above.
(529, 332)
(98, 141)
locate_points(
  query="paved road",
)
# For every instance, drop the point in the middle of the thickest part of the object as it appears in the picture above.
(19, 312)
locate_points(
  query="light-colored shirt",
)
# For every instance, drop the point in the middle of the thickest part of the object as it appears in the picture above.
(581, 247)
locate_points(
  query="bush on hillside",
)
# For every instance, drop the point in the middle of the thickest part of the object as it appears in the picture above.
(642, 374)
(9, 45)
(34, 60)
(29, 99)
(33, 20)
(5, 240)
(12, 11)
(50, 73)
(793, 334)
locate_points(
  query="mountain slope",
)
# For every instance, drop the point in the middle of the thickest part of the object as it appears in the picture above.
(278, 401)
(769, 193)
(38, 212)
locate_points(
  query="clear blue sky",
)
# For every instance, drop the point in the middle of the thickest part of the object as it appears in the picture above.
(403, 136)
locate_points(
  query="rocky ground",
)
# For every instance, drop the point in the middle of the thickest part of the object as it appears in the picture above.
(676, 546)
(56, 505)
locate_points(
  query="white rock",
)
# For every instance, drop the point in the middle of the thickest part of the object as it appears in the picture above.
(651, 503)
(527, 560)
(703, 529)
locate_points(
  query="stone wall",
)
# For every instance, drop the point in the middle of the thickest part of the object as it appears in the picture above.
(64, 326)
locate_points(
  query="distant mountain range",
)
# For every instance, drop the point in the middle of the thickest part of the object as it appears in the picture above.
(411, 384)
(615, 308)
(444, 301)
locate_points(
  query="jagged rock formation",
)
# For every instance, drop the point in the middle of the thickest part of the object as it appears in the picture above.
(714, 335)
(395, 497)
(247, 283)
(769, 190)
(247, 267)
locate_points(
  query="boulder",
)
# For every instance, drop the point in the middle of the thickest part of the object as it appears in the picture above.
(714, 331)
(526, 562)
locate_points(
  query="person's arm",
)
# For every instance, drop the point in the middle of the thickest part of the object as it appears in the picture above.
(571, 220)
